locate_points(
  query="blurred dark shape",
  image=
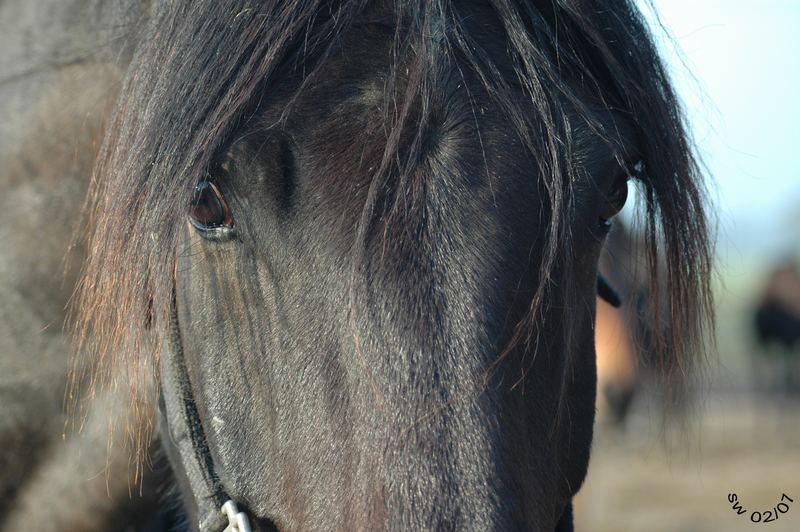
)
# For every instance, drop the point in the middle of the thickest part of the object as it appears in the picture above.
(777, 321)
(777, 316)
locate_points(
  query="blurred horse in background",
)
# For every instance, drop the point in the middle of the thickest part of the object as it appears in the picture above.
(626, 336)
(617, 364)
(617, 328)
(776, 321)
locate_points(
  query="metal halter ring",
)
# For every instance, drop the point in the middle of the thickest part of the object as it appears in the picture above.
(237, 521)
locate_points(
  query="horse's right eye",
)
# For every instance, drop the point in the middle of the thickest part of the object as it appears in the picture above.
(209, 210)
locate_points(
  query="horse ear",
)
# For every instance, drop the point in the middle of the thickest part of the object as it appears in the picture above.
(607, 292)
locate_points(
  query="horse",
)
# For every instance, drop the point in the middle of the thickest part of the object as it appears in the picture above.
(776, 321)
(618, 329)
(627, 356)
(341, 257)
(57, 84)
(617, 359)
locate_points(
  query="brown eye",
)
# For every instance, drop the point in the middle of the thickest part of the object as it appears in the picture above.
(614, 200)
(208, 209)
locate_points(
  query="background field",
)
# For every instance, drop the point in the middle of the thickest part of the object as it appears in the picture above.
(744, 439)
(737, 67)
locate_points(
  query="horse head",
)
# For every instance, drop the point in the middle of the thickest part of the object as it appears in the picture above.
(358, 245)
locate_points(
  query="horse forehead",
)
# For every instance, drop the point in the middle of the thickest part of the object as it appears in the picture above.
(342, 114)
(353, 82)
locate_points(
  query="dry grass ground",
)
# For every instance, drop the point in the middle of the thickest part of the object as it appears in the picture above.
(744, 445)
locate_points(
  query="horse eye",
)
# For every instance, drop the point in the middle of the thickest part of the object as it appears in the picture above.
(208, 209)
(614, 201)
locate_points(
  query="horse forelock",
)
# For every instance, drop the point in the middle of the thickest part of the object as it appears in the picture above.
(200, 69)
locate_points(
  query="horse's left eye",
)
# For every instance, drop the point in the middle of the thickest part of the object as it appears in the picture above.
(614, 201)
(208, 209)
